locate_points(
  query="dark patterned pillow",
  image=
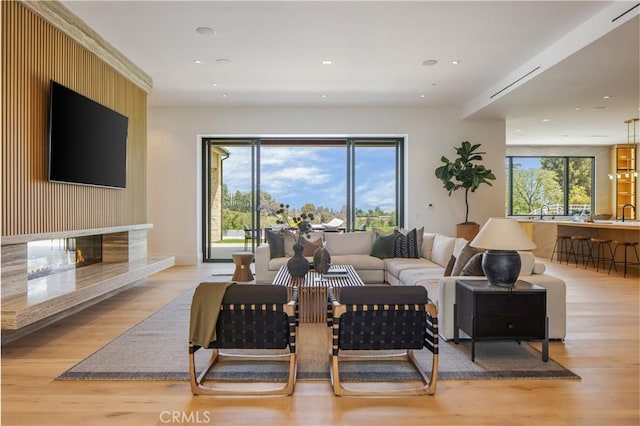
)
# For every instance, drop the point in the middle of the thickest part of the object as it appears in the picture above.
(275, 239)
(473, 268)
(407, 245)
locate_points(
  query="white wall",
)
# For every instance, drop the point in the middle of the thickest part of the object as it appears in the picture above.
(174, 157)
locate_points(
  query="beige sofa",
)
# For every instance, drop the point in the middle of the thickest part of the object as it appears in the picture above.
(355, 248)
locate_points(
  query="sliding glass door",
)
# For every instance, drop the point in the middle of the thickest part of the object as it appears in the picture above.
(355, 184)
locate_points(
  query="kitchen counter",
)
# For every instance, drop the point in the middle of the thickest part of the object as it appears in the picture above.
(544, 232)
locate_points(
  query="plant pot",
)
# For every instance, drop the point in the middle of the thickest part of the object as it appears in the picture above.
(298, 265)
(468, 231)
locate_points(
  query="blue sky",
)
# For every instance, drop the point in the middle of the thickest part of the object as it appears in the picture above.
(317, 175)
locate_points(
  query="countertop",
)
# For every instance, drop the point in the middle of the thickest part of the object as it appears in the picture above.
(604, 224)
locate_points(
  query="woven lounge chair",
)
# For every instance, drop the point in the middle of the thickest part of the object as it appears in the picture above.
(375, 318)
(251, 316)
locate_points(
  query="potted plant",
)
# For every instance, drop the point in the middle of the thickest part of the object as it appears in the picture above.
(465, 173)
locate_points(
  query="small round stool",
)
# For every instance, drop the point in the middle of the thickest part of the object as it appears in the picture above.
(626, 245)
(561, 247)
(599, 244)
(579, 252)
(242, 260)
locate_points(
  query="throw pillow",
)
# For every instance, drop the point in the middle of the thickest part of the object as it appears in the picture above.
(419, 239)
(290, 238)
(310, 247)
(473, 268)
(406, 245)
(383, 245)
(276, 243)
(449, 267)
(462, 259)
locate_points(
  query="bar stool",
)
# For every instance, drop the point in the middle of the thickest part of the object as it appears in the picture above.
(626, 245)
(579, 252)
(599, 244)
(561, 247)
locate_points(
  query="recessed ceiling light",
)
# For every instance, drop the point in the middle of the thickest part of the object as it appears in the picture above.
(206, 31)
(456, 62)
(422, 96)
(197, 61)
(327, 62)
(518, 130)
(224, 95)
(578, 108)
(429, 62)
(546, 120)
(214, 84)
(324, 96)
(223, 60)
(607, 97)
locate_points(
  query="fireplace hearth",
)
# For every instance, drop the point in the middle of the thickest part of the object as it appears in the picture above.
(48, 257)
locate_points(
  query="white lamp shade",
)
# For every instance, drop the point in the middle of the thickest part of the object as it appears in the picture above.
(501, 233)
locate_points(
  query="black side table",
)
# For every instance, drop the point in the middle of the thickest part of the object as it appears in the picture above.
(487, 312)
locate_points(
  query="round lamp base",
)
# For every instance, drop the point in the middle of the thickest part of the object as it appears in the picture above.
(501, 267)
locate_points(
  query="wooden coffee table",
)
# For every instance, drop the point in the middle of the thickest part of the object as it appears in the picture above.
(312, 290)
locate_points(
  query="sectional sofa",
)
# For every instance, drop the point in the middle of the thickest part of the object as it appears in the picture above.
(436, 253)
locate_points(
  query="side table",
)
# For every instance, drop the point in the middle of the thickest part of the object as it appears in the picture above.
(242, 260)
(487, 312)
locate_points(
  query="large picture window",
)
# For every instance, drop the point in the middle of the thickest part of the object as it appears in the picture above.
(556, 186)
(355, 182)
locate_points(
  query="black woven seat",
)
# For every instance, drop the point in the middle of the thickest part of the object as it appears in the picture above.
(372, 318)
(251, 317)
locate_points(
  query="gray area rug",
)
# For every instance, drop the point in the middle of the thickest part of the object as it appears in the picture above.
(157, 349)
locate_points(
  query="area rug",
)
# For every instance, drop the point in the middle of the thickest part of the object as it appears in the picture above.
(157, 349)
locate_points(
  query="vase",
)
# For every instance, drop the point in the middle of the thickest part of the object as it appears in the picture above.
(321, 260)
(298, 265)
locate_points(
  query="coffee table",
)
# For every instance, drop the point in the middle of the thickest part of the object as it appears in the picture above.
(312, 290)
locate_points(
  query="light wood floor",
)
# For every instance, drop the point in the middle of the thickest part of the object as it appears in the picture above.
(602, 346)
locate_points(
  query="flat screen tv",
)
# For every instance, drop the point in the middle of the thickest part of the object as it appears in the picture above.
(87, 141)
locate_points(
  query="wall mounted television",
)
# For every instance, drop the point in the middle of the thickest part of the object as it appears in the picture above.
(87, 141)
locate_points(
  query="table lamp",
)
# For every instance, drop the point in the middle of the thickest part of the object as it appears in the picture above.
(501, 237)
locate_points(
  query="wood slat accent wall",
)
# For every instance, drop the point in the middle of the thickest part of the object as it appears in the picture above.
(34, 52)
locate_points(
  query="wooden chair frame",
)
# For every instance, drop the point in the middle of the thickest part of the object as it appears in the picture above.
(198, 387)
(430, 342)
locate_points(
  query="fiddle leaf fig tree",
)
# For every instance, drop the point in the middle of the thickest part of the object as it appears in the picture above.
(464, 172)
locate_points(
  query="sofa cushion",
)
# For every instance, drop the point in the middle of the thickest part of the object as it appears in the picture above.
(383, 244)
(539, 268)
(276, 243)
(358, 261)
(406, 244)
(462, 258)
(349, 242)
(473, 268)
(395, 266)
(442, 249)
(424, 277)
(427, 244)
(527, 261)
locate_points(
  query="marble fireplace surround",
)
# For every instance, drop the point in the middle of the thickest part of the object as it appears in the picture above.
(31, 304)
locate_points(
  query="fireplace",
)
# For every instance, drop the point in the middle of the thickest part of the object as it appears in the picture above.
(54, 256)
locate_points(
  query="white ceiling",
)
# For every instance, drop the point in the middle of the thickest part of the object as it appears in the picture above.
(276, 51)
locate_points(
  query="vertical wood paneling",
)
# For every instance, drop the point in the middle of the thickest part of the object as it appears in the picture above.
(33, 52)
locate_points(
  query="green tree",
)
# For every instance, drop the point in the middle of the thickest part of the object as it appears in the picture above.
(533, 188)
